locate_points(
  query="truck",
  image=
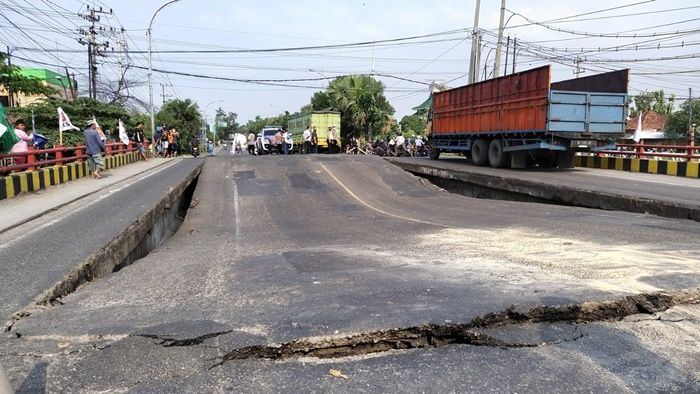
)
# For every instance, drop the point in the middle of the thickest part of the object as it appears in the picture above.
(523, 119)
(321, 119)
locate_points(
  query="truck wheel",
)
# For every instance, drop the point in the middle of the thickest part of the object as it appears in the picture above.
(497, 157)
(480, 152)
(434, 153)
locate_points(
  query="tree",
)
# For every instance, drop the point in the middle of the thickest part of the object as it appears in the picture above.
(183, 115)
(12, 79)
(360, 99)
(677, 123)
(653, 101)
(414, 124)
(226, 123)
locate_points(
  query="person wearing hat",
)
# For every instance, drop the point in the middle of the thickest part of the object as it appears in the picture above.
(94, 146)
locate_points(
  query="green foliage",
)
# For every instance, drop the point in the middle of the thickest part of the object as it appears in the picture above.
(227, 123)
(183, 115)
(10, 77)
(364, 109)
(79, 112)
(655, 101)
(677, 123)
(414, 125)
(258, 123)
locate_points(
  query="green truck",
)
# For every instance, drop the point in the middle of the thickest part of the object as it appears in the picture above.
(321, 119)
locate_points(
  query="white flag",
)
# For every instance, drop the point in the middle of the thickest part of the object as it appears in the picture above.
(638, 133)
(122, 133)
(64, 123)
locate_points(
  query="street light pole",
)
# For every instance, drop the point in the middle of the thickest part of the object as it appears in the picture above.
(497, 61)
(204, 118)
(149, 33)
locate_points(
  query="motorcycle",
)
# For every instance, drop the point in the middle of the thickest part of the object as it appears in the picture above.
(195, 151)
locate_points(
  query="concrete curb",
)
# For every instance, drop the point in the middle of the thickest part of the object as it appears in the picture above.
(43, 178)
(662, 167)
(564, 195)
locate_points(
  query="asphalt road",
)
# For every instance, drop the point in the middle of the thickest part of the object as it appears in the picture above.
(635, 185)
(280, 249)
(40, 253)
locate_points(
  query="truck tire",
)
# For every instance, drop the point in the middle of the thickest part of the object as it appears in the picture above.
(498, 158)
(434, 153)
(480, 152)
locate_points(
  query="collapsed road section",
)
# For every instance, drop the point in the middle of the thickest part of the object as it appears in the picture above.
(130, 220)
(636, 193)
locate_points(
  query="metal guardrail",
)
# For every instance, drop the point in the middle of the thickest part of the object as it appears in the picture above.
(654, 152)
(58, 155)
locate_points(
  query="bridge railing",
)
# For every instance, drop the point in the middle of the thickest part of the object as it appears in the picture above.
(657, 152)
(58, 155)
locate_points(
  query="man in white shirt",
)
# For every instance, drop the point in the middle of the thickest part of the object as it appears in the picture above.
(307, 140)
(286, 140)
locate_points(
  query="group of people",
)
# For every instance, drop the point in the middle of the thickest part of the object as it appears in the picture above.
(167, 142)
(310, 136)
(399, 146)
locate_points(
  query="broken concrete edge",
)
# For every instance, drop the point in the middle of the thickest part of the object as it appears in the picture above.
(438, 335)
(559, 194)
(104, 260)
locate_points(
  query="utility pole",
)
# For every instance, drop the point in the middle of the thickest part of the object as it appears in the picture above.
(473, 65)
(163, 95)
(497, 61)
(71, 85)
(10, 95)
(579, 70)
(89, 38)
(505, 67)
(515, 47)
(690, 111)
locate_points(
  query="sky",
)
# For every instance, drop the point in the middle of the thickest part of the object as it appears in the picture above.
(655, 39)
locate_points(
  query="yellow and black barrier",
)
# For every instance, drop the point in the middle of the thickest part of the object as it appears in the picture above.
(43, 178)
(663, 167)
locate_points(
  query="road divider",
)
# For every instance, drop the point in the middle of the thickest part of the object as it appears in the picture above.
(649, 166)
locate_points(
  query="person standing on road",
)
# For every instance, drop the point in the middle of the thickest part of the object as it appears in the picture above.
(286, 140)
(307, 140)
(139, 139)
(314, 140)
(94, 146)
(251, 143)
(176, 141)
(22, 145)
(332, 140)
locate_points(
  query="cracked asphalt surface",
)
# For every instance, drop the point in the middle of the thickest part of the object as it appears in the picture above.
(280, 249)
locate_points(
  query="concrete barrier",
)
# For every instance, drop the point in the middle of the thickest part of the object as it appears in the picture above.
(663, 167)
(43, 178)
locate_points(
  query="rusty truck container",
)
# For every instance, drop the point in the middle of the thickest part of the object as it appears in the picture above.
(524, 115)
(516, 102)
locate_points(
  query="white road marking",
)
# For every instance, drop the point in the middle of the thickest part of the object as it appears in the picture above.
(366, 204)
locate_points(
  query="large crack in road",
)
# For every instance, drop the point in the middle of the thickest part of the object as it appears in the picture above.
(434, 335)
